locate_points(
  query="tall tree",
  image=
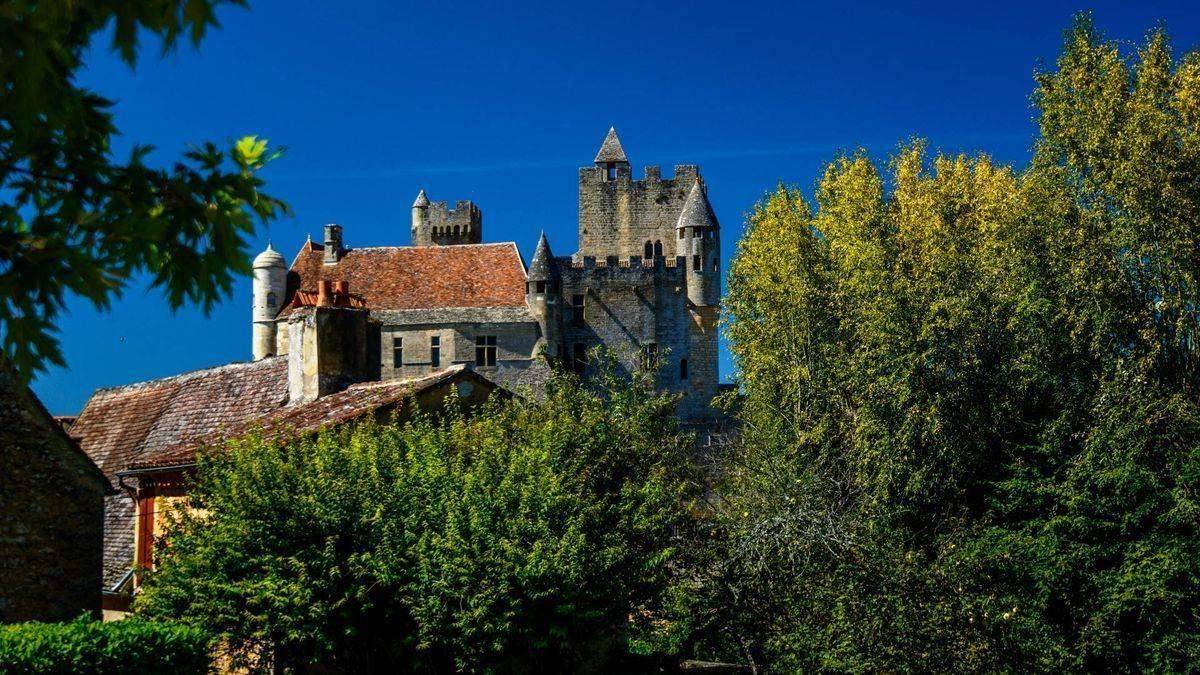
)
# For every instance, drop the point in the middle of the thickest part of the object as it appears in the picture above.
(75, 219)
(974, 443)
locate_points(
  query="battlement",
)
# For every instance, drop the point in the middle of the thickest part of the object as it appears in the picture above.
(435, 224)
(652, 174)
(635, 269)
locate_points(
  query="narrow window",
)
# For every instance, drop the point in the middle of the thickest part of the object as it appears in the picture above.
(611, 169)
(681, 230)
(696, 263)
(270, 299)
(650, 356)
(577, 309)
(541, 286)
(435, 351)
(397, 352)
(683, 369)
(715, 264)
(485, 350)
(658, 249)
(649, 250)
(579, 361)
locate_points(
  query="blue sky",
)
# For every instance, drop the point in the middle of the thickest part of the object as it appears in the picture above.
(501, 102)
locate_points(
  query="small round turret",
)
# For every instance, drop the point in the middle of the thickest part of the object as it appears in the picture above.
(420, 218)
(701, 243)
(269, 287)
(541, 294)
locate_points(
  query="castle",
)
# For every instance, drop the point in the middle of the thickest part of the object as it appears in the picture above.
(645, 284)
(344, 333)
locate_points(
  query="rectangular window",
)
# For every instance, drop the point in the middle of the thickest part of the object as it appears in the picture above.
(435, 351)
(696, 263)
(485, 350)
(611, 171)
(577, 309)
(683, 375)
(397, 352)
(540, 286)
(650, 356)
(681, 233)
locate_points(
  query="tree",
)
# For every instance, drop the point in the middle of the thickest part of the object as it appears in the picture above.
(971, 431)
(530, 536)
(76, 220)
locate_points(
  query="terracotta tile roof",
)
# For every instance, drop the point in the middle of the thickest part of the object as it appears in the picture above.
(418, 277)
(352, 403)
(119, 426)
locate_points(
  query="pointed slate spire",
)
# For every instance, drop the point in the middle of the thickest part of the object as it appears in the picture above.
(611, 150)
(697, 212)
(422, 200)
(541, 268)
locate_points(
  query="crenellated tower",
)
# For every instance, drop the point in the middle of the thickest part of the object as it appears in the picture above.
(433, 224)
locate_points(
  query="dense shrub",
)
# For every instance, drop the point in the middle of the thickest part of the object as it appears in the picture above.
(522, 538)
(85, 646)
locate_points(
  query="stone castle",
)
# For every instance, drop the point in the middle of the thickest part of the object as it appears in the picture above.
(644, 283)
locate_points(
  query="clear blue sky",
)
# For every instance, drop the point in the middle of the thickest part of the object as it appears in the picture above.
(501, 102)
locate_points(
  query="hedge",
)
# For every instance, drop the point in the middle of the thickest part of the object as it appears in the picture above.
(86, 646)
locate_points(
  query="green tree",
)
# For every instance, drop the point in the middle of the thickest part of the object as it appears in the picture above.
(971, 432)
(74, 219)
(530, 536)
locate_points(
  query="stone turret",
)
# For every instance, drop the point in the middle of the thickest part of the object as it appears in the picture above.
(433, 224)
(269, 286)
(699, 237)
(541, 294)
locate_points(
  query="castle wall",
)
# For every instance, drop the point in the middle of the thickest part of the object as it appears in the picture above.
(516, 333)
(617, 217)
(631, 303)
(437, 225)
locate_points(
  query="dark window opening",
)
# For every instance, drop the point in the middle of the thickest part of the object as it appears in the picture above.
(270, 299)
(485, 350)
(577, 309)
(579, 358)
(683, 375)
(696, 263)
(397, 352)
(715, 264)
(681, 230)
(649, 250)
(435, 351)
(658, 249)
(540, 287)
(650, 356)
(611, 171)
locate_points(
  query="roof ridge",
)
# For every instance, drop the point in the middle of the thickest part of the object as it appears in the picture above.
(189, 374)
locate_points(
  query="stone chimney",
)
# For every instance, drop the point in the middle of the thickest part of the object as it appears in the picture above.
(333, 243)
(328, 347)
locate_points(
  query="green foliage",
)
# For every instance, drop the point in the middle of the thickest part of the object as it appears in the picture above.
(85, 646)
(74, 219)
(523, 538)
(969, 397)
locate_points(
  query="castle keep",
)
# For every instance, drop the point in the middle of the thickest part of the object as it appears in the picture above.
(346, 332)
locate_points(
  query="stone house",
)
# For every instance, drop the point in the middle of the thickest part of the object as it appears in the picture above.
(51, 513)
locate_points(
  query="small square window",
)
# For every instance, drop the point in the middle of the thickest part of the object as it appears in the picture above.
(577, 309)
(485, 350)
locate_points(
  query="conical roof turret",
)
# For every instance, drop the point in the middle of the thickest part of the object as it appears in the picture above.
(422, 200)
(541, 268)
(611, 150)
(697, 212)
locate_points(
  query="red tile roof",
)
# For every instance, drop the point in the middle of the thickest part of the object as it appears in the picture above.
(418, 277)
(121, 425)
(352, 403)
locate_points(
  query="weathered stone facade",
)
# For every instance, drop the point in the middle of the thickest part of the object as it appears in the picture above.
(51, 514)
(645, 284)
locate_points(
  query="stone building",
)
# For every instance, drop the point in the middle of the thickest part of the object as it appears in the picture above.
(644, 283)
(51, 513)
(358, 329)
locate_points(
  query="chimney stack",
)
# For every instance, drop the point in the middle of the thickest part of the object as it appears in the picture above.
(333, 243)
(327, 348)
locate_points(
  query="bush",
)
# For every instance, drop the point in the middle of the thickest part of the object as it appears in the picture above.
(523, 538)
(86, 646)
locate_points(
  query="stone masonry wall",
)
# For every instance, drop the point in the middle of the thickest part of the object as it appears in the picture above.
(617, 217)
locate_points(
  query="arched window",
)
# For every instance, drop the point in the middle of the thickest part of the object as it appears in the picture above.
(456, 230)
(649, 250)
(658, 249)
(683, 374)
